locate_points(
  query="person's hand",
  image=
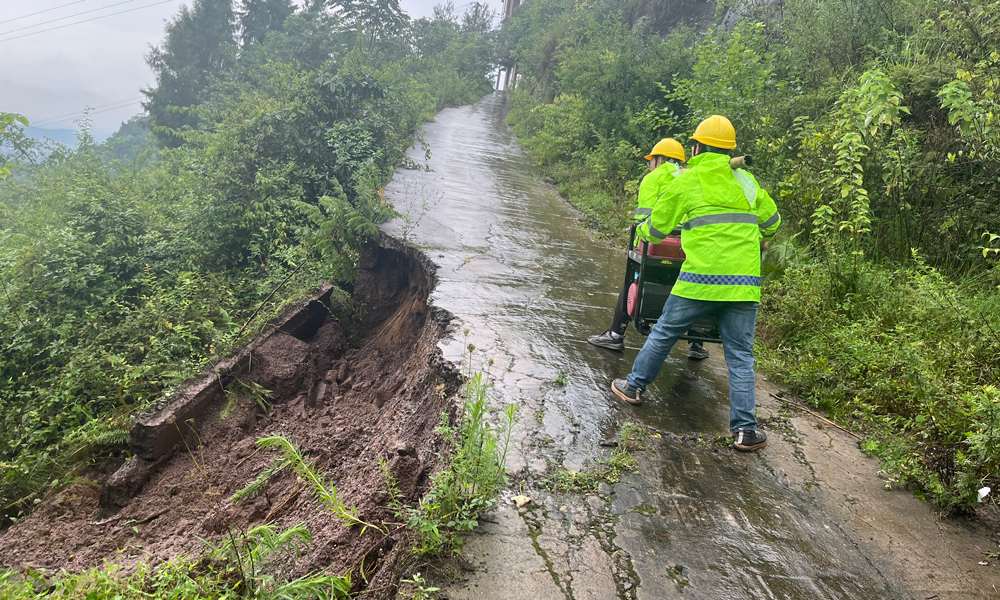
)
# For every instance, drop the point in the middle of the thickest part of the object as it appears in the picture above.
(764, 245)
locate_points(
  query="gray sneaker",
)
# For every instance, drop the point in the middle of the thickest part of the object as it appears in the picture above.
(610, 340)
(697, 351)
(626, 392)
(747, 440)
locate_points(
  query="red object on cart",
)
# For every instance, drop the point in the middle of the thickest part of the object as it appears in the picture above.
(633, 295)
(668, 248)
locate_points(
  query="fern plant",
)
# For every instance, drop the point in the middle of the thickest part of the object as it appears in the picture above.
(329, 496)
(255, 487)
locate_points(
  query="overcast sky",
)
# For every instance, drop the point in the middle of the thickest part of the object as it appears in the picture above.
(51, 76)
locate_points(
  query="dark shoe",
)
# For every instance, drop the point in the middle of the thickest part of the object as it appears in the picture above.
(609, 340)
(748, 441)
(626, 392)
(697, 351)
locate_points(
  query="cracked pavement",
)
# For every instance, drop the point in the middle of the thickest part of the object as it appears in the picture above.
(807, 517)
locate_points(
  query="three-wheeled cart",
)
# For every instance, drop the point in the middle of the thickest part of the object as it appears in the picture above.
(654, 269)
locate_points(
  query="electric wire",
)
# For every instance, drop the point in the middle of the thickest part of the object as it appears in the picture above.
(70, 114)
(41, 11)
(83, 21)
(86, 12)
(93, 110)
(81, 113)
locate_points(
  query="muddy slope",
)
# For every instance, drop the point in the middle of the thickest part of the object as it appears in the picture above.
(346, 406)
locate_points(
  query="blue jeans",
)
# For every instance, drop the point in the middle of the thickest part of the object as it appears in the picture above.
(736, 324)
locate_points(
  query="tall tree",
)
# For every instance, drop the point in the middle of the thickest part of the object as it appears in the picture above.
(373, 20)
(199, 43)
(257, 17)
(379, 19)
(478, 19)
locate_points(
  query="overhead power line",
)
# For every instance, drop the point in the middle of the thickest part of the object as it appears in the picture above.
(93, 112)
(79, 22)
(41, 11)
(93, 109)
(86, 12)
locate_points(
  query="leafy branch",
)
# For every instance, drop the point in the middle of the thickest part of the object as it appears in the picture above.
(328, 496)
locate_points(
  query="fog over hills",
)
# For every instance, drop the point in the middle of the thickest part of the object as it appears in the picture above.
(62, 135)
(99, 63)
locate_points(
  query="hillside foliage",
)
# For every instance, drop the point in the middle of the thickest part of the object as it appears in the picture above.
(874, 125)
(130, 266)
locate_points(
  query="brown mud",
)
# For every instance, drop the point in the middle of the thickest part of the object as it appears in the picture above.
(345, 405)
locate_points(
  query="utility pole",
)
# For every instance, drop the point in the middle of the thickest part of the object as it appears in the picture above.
(508, 69)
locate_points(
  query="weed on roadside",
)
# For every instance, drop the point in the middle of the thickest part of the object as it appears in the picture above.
(418, 203)
(719, 441)
(263, 559)
(472, 482)
(561, 379)
(420, 590)
(633, 436)
(610, 469)
(646, 510)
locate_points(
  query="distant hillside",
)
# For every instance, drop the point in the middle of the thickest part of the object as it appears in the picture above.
(63, 136)
(132, 139)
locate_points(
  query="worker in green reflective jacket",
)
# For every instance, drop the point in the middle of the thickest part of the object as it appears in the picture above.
(666, 161)
(725, 218)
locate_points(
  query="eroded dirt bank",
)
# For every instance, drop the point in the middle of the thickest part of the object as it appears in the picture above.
(345, 404)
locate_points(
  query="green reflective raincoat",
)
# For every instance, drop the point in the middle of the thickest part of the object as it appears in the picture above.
(653, 186)
(724, 215)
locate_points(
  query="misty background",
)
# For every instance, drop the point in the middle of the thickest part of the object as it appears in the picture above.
(62, 56)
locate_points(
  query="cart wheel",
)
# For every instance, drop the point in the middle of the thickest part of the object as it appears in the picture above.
(633, 294)
(642, 326)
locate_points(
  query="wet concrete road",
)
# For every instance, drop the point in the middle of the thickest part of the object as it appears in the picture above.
(698, 521)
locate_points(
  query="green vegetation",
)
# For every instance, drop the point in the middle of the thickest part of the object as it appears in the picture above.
(874, 125)
(471, 483)
(260, 564)
(588, 104)
(131, 266)
(255, 565)
(12, 138)
(420, 591)
(328, 496)
(610, 469)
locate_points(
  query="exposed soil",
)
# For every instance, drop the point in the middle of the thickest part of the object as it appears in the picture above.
(344, 404)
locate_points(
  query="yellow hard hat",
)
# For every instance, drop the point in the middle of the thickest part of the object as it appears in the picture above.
(716, 131)
(668, 147)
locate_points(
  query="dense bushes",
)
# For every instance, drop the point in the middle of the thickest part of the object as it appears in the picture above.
(590, 108)
(127, 269)
(909, 358)
(873, 123)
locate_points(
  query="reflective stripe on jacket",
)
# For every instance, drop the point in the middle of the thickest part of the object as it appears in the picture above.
(653, 185)
(724, 215)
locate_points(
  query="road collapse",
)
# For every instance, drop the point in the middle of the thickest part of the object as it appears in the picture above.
(346, 400)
